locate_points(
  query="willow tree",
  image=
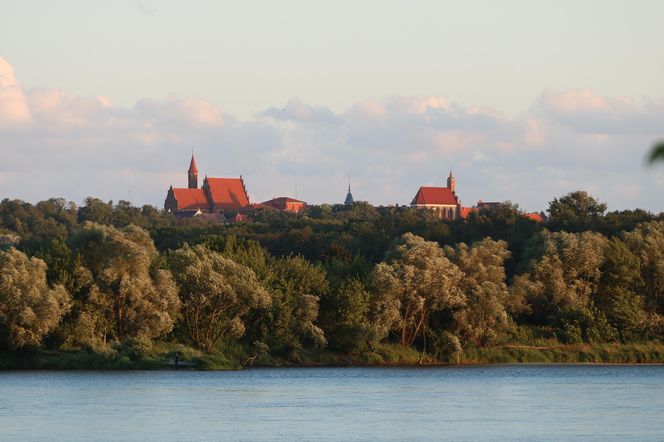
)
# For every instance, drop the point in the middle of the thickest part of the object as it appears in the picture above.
(126, 295)
(484, 317)
(647, 243)
(560, 284)
(621, 291)
(216, 294)
(29, 308)
(345, 315)
(414, 281)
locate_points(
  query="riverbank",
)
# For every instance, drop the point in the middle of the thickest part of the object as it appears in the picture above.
(162, 356)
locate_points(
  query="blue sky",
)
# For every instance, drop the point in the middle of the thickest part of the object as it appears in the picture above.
(524, 100)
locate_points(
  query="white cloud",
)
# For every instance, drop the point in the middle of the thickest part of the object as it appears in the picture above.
(56, 144)
(587, 112)
(14, 110)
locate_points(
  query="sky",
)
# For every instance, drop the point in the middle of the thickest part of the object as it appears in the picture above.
(524, 100)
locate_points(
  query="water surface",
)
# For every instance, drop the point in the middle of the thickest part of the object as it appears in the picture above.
(512, 402)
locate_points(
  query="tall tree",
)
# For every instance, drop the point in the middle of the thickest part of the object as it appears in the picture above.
(647, 242)
(575, 212)
(29, 308)
(620, 288)
(291, 323)
(344, 315)
(484, 317)
(561, 281)
(127, 293)
(216, 294)
(417, 280)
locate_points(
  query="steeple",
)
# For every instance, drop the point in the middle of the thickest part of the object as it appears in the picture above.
(193, 173)
(451, 182)
(349, 196)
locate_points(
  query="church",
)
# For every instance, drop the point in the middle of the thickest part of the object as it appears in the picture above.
(443, 201)
(217, 196)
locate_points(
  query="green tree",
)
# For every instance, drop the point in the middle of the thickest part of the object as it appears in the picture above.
(484, 317)
(297, 288)
(344, 315)
(216, 294)
(575, 212)
(127, 296)
(295, 285)
(561, 279)
(36, 228)
(619, 292)
(415, 281)
(647, 243)
(97, 211)
(29, 308)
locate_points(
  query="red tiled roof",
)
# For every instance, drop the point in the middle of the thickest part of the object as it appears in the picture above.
(227, 193)
(435, 195)
(465, 211)
(284, 203)
(283, 199)
(190, 199)
(192, 165)
(534, 216)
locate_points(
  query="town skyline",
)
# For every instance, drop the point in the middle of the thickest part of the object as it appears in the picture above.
(514, 97)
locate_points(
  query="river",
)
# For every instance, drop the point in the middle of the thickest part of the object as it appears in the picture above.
(504, 402)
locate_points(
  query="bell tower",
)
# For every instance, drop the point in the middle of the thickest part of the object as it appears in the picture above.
(451, 182)
(193, 173)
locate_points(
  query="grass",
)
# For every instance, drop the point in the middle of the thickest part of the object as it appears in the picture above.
(648, 352)
(140, 355)
(130, 355)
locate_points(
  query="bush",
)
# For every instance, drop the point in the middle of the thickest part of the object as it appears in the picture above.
(446, 347)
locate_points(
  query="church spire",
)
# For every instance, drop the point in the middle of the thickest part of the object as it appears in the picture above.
(192, 165)
(193, 173)
(349, 196)
(451, 182)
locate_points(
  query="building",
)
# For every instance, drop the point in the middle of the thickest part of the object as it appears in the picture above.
(217, 196)
(349, 201)
(285, 204)
(537, 217)
(441, 200)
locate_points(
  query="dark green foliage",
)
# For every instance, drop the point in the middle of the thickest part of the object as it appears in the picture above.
(657, 153)
(581, 278)
(344, 315)
(618, 293)
(575, 212)
(446, 347)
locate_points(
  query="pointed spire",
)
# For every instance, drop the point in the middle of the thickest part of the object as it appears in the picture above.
(192, 164)
(349, 196)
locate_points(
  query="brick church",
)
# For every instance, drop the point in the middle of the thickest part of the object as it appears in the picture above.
(217, 196)
(443, 201)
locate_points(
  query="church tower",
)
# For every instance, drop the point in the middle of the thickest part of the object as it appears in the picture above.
(193, 173)
(451, 182)
(349, 196)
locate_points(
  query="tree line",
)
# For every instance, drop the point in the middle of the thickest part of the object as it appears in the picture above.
(341, 278)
